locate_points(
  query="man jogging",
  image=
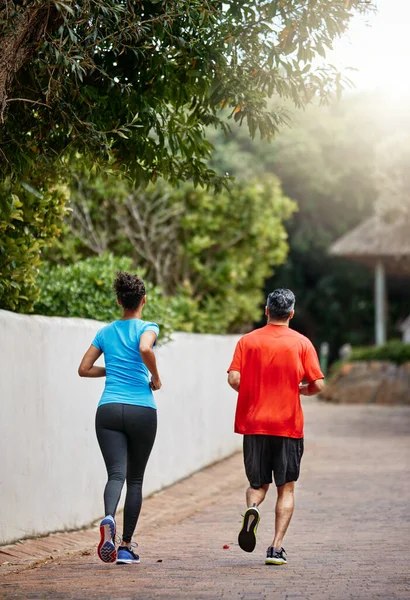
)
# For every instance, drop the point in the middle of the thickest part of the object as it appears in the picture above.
(267, 369)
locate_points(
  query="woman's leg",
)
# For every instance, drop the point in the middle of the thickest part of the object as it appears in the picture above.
(113, 445)
(141, 428)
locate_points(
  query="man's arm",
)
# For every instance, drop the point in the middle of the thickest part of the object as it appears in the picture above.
(234, 379)
(312, 388)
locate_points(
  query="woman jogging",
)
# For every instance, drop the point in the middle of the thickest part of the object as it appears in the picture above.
(126, 419)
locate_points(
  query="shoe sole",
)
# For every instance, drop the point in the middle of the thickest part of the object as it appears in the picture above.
(247, 535)
(127, 562)
(273, 561)
(106, 548)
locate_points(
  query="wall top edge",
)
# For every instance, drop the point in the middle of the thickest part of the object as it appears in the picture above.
(6, 315)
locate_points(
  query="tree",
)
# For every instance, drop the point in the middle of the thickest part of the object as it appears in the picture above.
(136, 83)
(206, 251)
(325, 162)
(133, 85)
(107, 213)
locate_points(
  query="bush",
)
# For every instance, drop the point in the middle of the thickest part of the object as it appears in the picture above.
(29, 220)
(85, 290)
(209, 253)
(395, 351)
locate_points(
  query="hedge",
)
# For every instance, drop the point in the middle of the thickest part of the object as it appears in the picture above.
(85, 289)
(394, 351)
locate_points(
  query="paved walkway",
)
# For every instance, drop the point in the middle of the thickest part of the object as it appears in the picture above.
(349, 537)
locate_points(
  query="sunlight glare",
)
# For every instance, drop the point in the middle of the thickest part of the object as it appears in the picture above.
(378, 46)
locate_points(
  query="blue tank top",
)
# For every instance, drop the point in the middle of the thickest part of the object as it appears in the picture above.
(127, 379)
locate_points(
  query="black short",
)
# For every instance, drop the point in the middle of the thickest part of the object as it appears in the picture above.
(264, 454)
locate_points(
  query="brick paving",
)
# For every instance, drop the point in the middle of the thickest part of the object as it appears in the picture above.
(349, 537)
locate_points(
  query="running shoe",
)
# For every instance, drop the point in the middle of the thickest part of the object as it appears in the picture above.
(247, 535)
(275, 557)
(106, 547)
(126, 556)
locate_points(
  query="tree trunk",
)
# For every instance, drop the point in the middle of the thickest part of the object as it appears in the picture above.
(19, 41)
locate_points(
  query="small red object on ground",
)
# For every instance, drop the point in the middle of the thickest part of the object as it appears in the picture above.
(225, 547)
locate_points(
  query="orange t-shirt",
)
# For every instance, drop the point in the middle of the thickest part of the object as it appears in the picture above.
(272, 362)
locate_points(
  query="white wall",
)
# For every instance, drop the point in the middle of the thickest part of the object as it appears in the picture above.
(51, 473)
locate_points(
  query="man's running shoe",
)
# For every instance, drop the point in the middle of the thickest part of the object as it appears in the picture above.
(126, 556)
(106, 547)
(275, 557)
(247, 535)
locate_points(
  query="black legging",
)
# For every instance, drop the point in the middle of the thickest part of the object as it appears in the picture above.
(126, 434)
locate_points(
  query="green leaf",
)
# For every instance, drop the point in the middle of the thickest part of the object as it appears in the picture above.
(65, 6)
(32, 190)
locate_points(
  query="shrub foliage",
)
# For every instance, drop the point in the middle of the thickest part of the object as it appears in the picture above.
(85, 289)
(209, 253)
(30, 218)
(394, 351)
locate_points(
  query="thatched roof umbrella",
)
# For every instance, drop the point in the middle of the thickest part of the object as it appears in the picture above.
(384, 246)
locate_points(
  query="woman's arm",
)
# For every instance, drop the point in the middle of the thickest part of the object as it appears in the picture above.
(148, 357)
(87, 368)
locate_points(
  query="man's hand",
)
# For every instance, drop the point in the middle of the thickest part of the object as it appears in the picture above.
(312, 388)
(155, 384)
(234, 379)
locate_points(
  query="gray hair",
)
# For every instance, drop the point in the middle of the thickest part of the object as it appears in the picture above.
(280, 303)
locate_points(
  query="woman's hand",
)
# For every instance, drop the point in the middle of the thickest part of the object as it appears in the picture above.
(155, 384)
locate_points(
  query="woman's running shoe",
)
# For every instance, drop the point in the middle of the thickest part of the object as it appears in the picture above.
(106, 547)
(275, 557)
(126, 556)
(247, 535)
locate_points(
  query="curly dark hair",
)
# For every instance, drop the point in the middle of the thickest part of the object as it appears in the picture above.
(130, 290)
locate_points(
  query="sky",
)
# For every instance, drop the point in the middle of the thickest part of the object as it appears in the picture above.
(378, 45)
